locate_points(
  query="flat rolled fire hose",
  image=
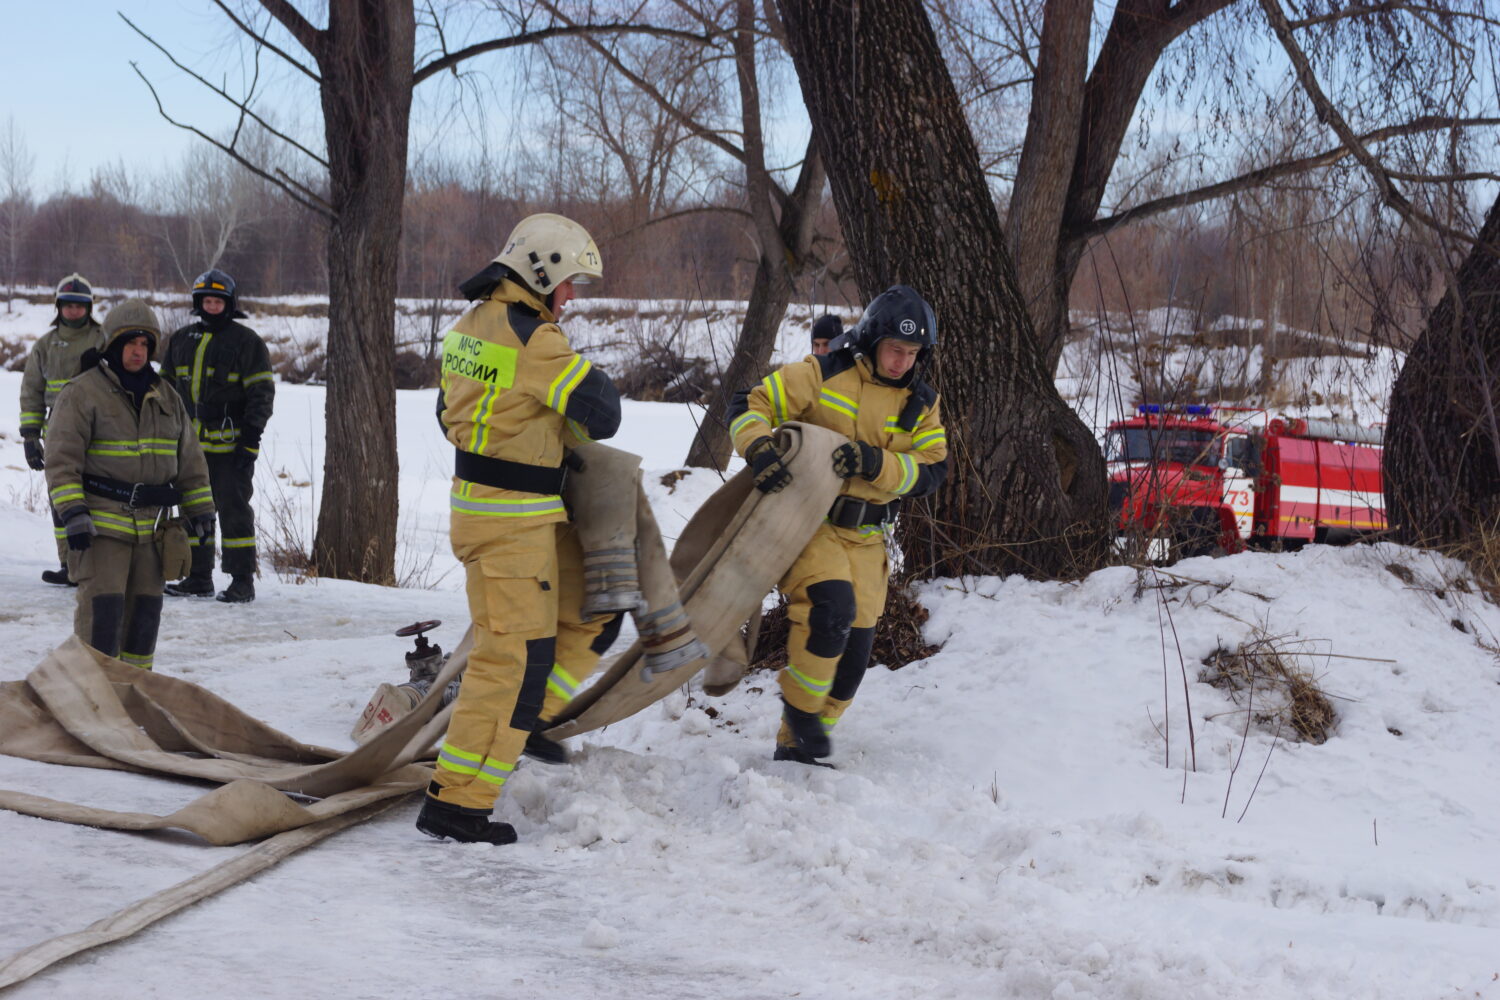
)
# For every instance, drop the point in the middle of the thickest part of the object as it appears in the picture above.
(728, 557)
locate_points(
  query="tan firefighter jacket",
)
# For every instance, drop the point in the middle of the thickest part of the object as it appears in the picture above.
(54, 359)
(96, 432)
(839, 391)
(514, 390)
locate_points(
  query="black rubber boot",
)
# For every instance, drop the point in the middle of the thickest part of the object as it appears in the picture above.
(793, 754)
(240, 591)
(807, 730)
(58, 576)
(467, 826)
(191, 586)
(539, 748)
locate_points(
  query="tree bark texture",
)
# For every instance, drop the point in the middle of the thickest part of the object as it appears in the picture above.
(1026, 486)
(365, 57)
(1442, 447)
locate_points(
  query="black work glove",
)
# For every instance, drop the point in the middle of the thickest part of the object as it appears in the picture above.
(245, 455)
(202, 525)
(855, 458)
(771, 473)
(81, 532)
(33, 448)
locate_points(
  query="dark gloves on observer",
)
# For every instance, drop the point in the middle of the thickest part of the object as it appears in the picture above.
(33, 448)
(80, 530)
(771, 473)
(855, 458)
(245, 455)
(201, 525)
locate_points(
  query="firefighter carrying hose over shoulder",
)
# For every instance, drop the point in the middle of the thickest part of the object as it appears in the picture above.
(515, 396)
(873, 393)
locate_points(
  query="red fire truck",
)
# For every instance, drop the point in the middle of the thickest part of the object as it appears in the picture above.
(1187, 480)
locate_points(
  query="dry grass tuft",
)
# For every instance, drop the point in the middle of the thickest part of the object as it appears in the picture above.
(1264, 676)
(1481, 553)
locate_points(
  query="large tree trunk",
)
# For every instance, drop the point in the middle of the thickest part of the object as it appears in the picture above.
(1026, 487)
(769, 297)
(366, 62)
(1442, 448)
(785, 247)
(1058, 192)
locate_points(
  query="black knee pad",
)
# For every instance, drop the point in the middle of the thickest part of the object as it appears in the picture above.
(607, 638)
(540, 655)
(109, 612)
(831, 615)
(145, 621)
(853, 664)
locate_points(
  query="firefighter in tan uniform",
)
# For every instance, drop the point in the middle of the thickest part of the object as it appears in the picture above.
(871, 391)
(121, 452)
(54, 359)
(514, 396)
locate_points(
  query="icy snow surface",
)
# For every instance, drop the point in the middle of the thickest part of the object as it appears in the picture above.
(1019, 816)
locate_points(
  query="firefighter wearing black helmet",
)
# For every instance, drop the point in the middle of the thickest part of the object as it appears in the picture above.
(222, 370)
(54, 359)
(872, 392)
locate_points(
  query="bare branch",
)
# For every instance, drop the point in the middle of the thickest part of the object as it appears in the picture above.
(1328, 114)
(452, 59)
(712, 136)
(307, 36)
(261, 40)
(1265, 175)
(244, 105)
(298, 192)
(725, 209)
(1355, 10)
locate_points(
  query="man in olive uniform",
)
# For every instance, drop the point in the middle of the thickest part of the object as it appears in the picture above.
(873, 393)
(121, 450)
(54, 359)
(222, 370)
(515, 396)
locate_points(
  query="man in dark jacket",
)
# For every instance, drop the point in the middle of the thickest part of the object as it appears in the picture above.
(222, 370)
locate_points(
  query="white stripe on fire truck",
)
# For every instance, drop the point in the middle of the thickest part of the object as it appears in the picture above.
(1333, 498)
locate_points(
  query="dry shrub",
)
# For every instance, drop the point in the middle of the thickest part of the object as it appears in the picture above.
(1480, 551)
(294, 363)
(898, 634)
(1265, 678)
(13, 353)
(415, 370)
(658, 373)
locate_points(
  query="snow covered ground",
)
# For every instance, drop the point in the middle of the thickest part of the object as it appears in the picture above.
(1018, 816)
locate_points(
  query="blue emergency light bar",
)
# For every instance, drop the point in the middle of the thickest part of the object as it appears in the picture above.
(1192, 409)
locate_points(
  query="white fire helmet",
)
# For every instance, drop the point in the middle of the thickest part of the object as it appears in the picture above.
(546, 250)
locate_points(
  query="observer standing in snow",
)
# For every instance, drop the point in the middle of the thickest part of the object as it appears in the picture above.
(222, 371)
(121, 452)
(514, 397)
(873, 393)
(54, 359)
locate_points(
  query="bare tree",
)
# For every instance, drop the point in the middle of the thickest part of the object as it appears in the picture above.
(1026, 486)
(16, 208)
(782, 220)
(1085, 97)
(363, 65)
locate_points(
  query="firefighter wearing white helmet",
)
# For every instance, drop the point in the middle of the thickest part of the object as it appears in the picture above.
(54, 359)
(872, 391)
(124, 451)
(514, 397)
